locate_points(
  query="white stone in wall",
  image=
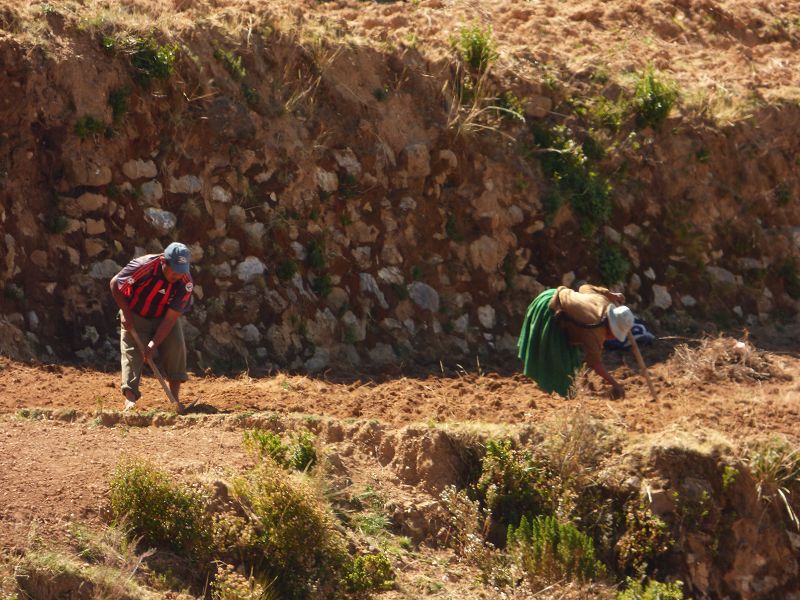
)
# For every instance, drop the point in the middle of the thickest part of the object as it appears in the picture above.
(162, 220)
(140, 169)
(720, 275)
(661, 297)
(152, 192)
(105, 269)
(220, 194)
(487, 316)
(250, 334)
(187, 184)
(250, 268)
(424, 296)
(369, 285)
(326, 181)
(391, 275)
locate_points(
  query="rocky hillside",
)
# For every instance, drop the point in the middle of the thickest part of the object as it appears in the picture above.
(365, 184)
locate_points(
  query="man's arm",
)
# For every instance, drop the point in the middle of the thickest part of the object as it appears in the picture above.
(166, 325)
(122, 302)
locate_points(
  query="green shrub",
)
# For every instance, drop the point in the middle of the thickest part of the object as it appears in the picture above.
(286, 269)
(369, 572)
(230, 585)
(159, 509)
(381, 93)
(300, 454)
(549, 551)
(509, 106)
(451, 229)
(654, 590)
(646, 537)
(513, 483)
(55, 222)
(118, 101)
(293, 539)
(476, 47)
(568, 169)
(87, 126)
(653, 99)
(790, 273)
(152, 60)
(251, 96)
(315, 254)
(303, 451)
(232, 62)
(14, 292)
(266, 444)
(322, 285)
(613, 265)
(775, 466)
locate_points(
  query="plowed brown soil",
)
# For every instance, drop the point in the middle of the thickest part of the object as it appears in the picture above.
(737, 409)
(55, 471)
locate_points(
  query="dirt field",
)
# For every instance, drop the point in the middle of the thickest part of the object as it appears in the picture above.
(56, 469)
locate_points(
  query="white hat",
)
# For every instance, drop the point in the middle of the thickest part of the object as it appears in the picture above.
(620, 321)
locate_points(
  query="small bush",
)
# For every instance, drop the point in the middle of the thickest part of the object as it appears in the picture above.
(322, 285)
(508, 106)
(266, 444)
(230, 585)
(513, 483)
(654, 590)
(87, 126)
(315, 254)
(613, 265)
(158, 509)
(653, 99)
(300, 454)
(294, 538)
(775, 465)
(232, 62)
(369, 572)
(286, 269)
(251, 96)
(549, 551)
(790, 274)
(152, 60)
(566, 165)
(118, 101)
(646, 537)
(476, 47)
(380, 94)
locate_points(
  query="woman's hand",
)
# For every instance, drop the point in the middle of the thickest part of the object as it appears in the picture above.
(617, 391)
(616, 297)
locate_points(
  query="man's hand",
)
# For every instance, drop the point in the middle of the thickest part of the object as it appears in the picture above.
(616, 297)
(617, 391)
(149, 351)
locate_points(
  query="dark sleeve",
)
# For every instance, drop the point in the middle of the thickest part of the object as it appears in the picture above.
(182, 298)
(130, 273)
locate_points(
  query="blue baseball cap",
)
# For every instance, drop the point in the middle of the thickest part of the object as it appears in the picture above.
(178, 257)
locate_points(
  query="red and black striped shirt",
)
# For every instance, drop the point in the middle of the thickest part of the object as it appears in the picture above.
(149, 293)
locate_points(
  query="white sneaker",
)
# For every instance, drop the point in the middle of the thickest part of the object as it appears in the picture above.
(129, 406)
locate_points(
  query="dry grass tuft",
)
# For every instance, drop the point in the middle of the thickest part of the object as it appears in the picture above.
(723, 359)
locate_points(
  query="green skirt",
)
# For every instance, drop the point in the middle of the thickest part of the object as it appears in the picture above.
(547, 357)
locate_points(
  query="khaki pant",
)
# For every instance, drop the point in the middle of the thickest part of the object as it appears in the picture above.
(171, 355)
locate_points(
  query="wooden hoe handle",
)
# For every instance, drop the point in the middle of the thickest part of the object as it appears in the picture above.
(642, 366)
